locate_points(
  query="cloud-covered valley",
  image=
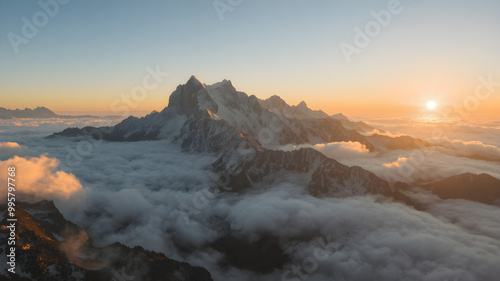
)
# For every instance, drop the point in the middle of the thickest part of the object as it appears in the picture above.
(153, 194)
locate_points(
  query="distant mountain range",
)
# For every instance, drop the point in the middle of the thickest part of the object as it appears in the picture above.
(481, 188)
(37, 113)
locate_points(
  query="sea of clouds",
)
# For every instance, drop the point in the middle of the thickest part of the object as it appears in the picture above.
(155, 195)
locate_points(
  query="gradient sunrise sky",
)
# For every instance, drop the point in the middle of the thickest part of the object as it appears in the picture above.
(92, 52)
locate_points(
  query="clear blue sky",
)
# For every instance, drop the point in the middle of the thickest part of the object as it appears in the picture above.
(91, 52)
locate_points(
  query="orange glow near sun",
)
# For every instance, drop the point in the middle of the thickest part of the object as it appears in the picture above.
(431, 105)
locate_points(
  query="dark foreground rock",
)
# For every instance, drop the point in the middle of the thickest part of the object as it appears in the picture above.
(48, 247)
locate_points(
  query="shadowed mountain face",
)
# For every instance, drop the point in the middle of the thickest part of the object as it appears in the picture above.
(52, 248)
(481, 188)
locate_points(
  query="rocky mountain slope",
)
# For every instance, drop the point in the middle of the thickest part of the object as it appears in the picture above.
(48, 247)
(481, 188)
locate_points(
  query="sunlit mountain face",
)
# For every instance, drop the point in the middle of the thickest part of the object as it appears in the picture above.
(234, 140)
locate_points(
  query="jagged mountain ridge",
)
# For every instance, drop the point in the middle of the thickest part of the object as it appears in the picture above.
(301, 111)
(52, 248)
(322, 176)
(291, 125)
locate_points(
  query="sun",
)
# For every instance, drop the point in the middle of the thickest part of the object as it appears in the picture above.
(431, 105)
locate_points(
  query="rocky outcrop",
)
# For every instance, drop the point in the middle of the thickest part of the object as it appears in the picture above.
(48, 247)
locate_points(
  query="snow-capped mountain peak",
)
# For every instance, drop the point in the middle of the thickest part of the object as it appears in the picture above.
(269, 123)
(192, 97)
